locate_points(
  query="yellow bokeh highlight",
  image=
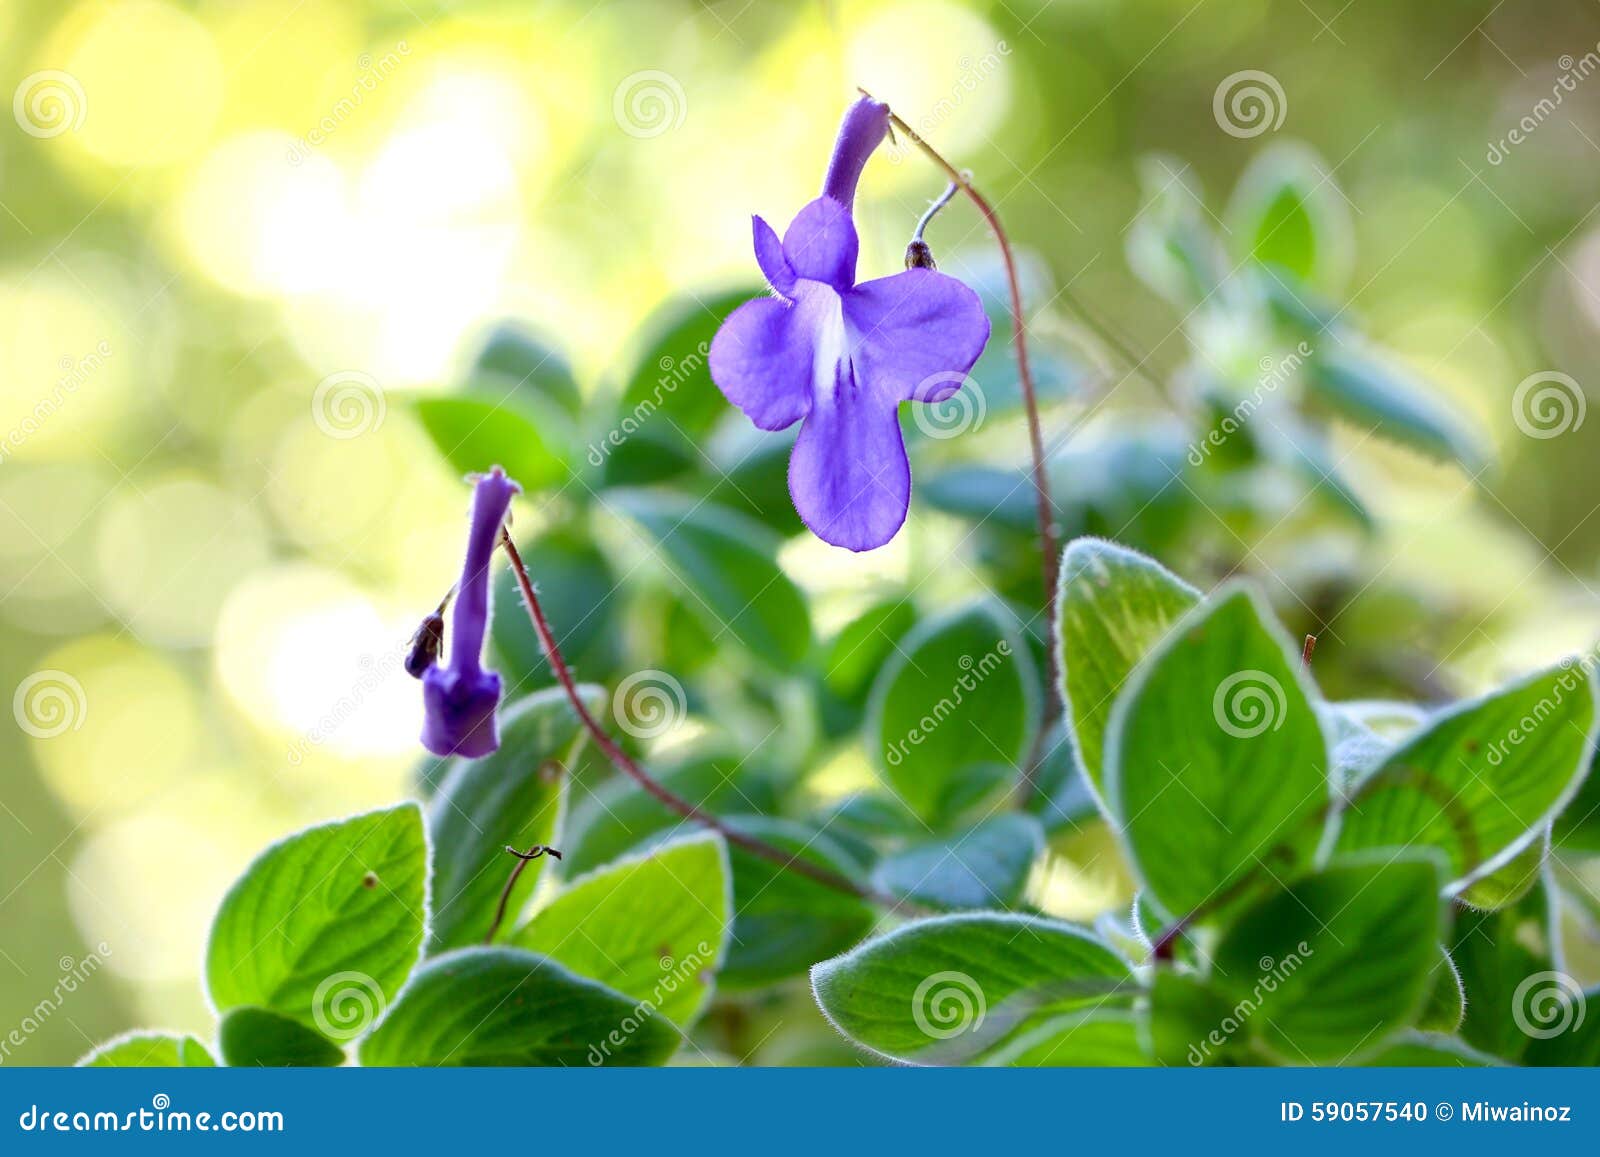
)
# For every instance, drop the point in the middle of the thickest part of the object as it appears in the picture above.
(151, 78)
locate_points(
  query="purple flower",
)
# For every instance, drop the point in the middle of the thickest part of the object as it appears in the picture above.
(460, 697)
(841, 357)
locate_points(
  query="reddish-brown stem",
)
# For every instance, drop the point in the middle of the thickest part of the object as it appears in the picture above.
(1305, 654)
(626, 764)
(523, 858)
(1049, 544)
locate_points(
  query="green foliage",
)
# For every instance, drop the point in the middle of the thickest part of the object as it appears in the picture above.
(985, 866)
(953, 711)
(654, 927)
(504, 1006)
(511, 798)
(1215, 761)
(149, 1050)
(339, 902)
(259, 1038)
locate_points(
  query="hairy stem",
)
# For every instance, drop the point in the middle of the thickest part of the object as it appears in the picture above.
(1049, 543)
(626, 764)
(523, 859)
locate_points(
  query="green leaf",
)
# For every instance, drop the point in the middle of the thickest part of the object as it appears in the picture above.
(1064, 798)
(511, 798)
(1577, 828)
(783, 921)
(1427, 1050)
(1506, 959)
(1215, 759)
(579, 593)
(725, 567)
(1114, 605)
(1191, 1022)
(953, 989)
(1374, 394)
(514, 358)
(1511, 881)
(1171, 245)
(1286, 212)
(1564, 1036)
(654, 928)
(325, 926)
(958, 698)
(149, 1050)
(1446, 1006)
(258, 1038)
(986, 866)
(864, 645)
(1483, 778)
(1098, 1038)
(521, 433)
(1337, 962)
(618, 815)
(503, 1006)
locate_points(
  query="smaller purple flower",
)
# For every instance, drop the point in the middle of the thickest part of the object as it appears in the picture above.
(841, 357)
(460, 697)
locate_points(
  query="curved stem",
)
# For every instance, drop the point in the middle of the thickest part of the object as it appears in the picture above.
(1049, 544)
(626, 764)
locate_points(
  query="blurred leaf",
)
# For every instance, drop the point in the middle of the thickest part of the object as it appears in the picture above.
(1577, 828)
(1482, 775)
(1352, 949)
(1114, 605)
(986, 866)
(1062, 796)
(1505, 959)
(863, 645)
(1427, 1050)
(330, 908)
(1287, 211)
(958, 698)
(1374, 394)
(954, 988)
(1191, 1022)
(503, 1006)
(1511, 881)
(750, 475)
(525, 435)
(1215, 759)
(259, 1038)
(1577, 1044)
(511, 798)
(1171, 245)
(513, 357)
(580, 596)
(783, 921)
(1446, 1005)
(654, 928)
(724, 564)
(619, 815)
(149, 1050)
(1305, 453)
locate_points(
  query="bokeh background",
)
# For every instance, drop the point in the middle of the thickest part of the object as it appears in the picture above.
(240, 239)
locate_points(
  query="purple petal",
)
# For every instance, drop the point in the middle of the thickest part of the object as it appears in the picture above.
(865, 125)
(915, 335)
(775, 266)
(761, 361)
(460, 717)
(849, 477)
(821, 243)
